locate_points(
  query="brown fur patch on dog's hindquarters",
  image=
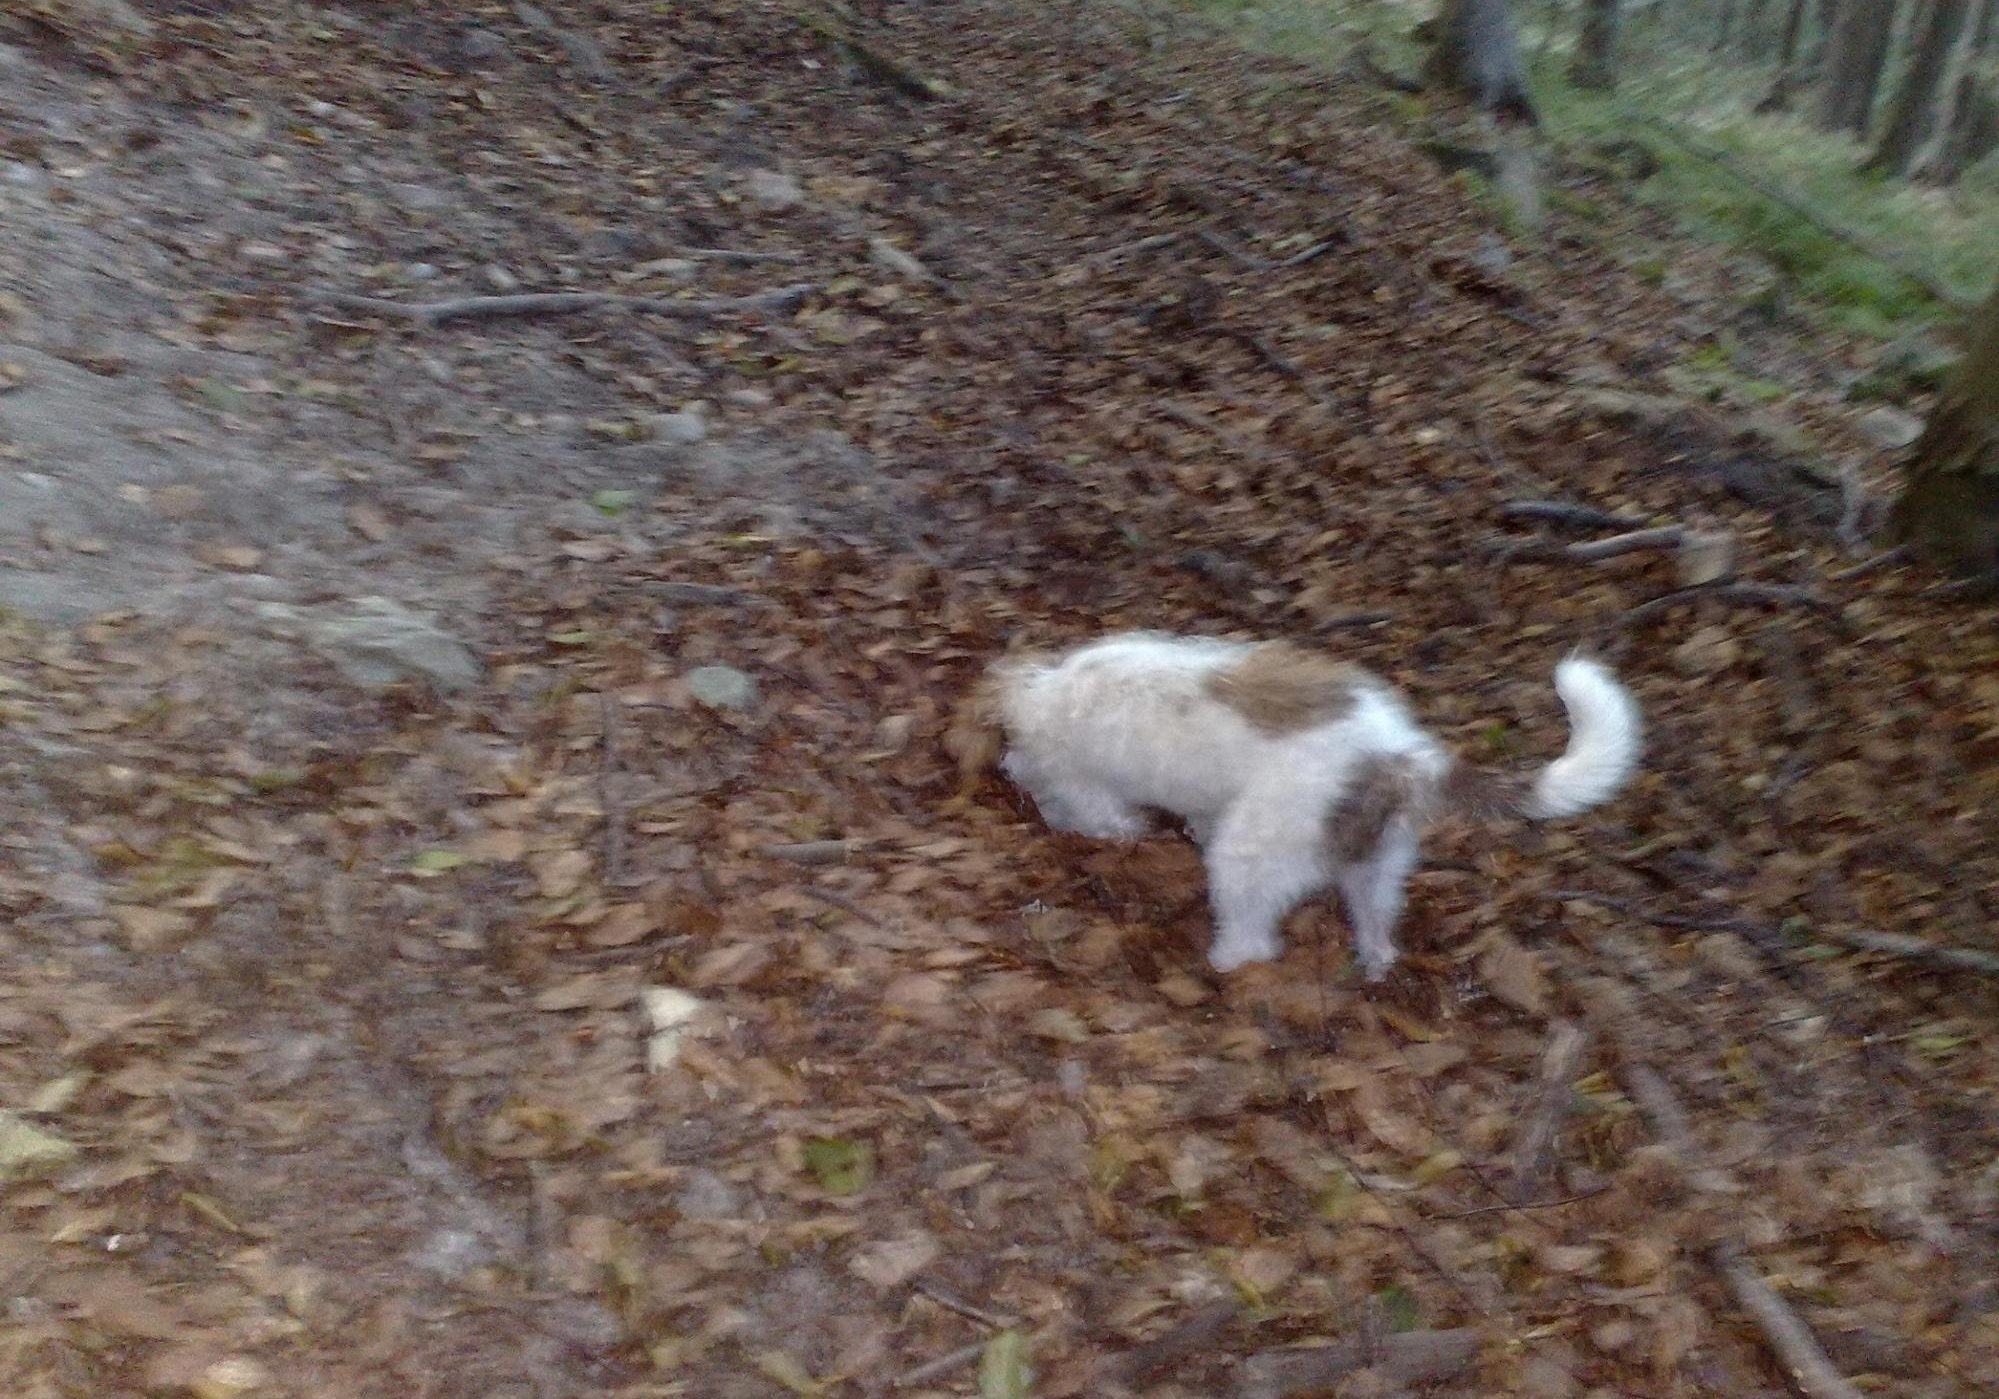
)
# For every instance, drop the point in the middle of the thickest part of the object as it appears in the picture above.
(1283, 689)
(1382, 789)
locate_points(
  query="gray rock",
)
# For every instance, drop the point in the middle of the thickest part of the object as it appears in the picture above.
(773, 190)
(722, 687)
(378, 643)
(677, 429)
(707, 1196)
(1891, 427)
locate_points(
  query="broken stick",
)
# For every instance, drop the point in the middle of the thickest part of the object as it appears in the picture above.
(1404, 1360)
(1561, 1064)
(558, 303)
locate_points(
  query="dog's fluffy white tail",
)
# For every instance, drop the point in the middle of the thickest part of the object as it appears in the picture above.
(1604, 736)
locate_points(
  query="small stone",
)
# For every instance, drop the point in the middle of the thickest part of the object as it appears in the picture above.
(482, 45)
(381, 643)
(501, 280)
(707, 1196)
(1891, 427)
(228, 1378)
(420, 271)
(677, 269)
(773, 190)
(722, 687)
(677, 429)
(267, 253)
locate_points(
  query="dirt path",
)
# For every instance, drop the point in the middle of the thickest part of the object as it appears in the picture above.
(389, 712)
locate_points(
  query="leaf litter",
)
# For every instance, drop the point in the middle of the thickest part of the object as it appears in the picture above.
(508, 1034)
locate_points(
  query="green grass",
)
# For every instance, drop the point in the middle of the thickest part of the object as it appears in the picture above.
(1950, 236)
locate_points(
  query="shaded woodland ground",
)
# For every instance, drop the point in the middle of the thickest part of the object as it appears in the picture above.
(337, 943)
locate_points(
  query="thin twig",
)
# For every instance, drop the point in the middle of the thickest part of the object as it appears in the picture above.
(1897, 554)
(811, 852)
(943, 1365)
(952, 1302)
(836, 899)
(742, 255)
(1124, 250)
(1510, 1206)
(1234, 254)
(607, 794)
(558, 303)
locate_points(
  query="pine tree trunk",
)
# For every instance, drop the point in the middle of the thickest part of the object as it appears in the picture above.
(1856, 51)
(1595, 65)
(1478, 55)
(1949, 508)
(1917, 102)
(1778, 98)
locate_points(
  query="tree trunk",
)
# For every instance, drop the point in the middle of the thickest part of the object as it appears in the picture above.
(1595, 65)
(1949, 507)
(1966, 126)
(1778, 98)
(1856, 51)
(1918, 100)
(1727, 15)
(1478, 55)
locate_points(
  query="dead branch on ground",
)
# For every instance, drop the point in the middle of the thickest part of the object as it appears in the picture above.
(1405, 1360)
(558, 303)
(1192, 1335)
(1900, 945)
(1563, 512)
(1764, 594)
(1561, 1061)
(1789, 1339)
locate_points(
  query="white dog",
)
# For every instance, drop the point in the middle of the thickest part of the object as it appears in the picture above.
(1294, 772)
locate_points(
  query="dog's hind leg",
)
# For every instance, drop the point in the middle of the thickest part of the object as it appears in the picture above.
(1261, 864)
(1372, 890)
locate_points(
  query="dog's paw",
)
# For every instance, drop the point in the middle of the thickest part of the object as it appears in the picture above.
(1229, 956)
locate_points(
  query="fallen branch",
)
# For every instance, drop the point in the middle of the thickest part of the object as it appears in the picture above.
(1789, 1339)
(1792, 1341)
(1124, 250)
(558, 303)
(1769, 594)
(876, 63)
(1631, 542)
(1238, 256)
(1194, 1334)
(1561, 1064)
(1913, 949)
(1562, 512)
(1407, 1359)
(1898, 554)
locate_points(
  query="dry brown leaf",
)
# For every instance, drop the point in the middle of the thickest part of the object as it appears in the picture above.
(1514, 974)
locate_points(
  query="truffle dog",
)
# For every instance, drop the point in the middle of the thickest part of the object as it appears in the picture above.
(1294, 772)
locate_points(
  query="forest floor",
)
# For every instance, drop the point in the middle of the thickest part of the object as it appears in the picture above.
(487, 911)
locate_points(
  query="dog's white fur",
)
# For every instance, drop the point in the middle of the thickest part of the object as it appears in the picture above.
(1135, 721)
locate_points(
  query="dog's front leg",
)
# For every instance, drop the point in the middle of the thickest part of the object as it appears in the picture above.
(1264, 858)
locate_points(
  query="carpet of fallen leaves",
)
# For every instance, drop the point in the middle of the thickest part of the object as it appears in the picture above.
(369, 1075)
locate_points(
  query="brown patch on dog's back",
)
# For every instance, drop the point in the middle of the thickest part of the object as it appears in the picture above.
(1382, 788)
(1282, 689)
